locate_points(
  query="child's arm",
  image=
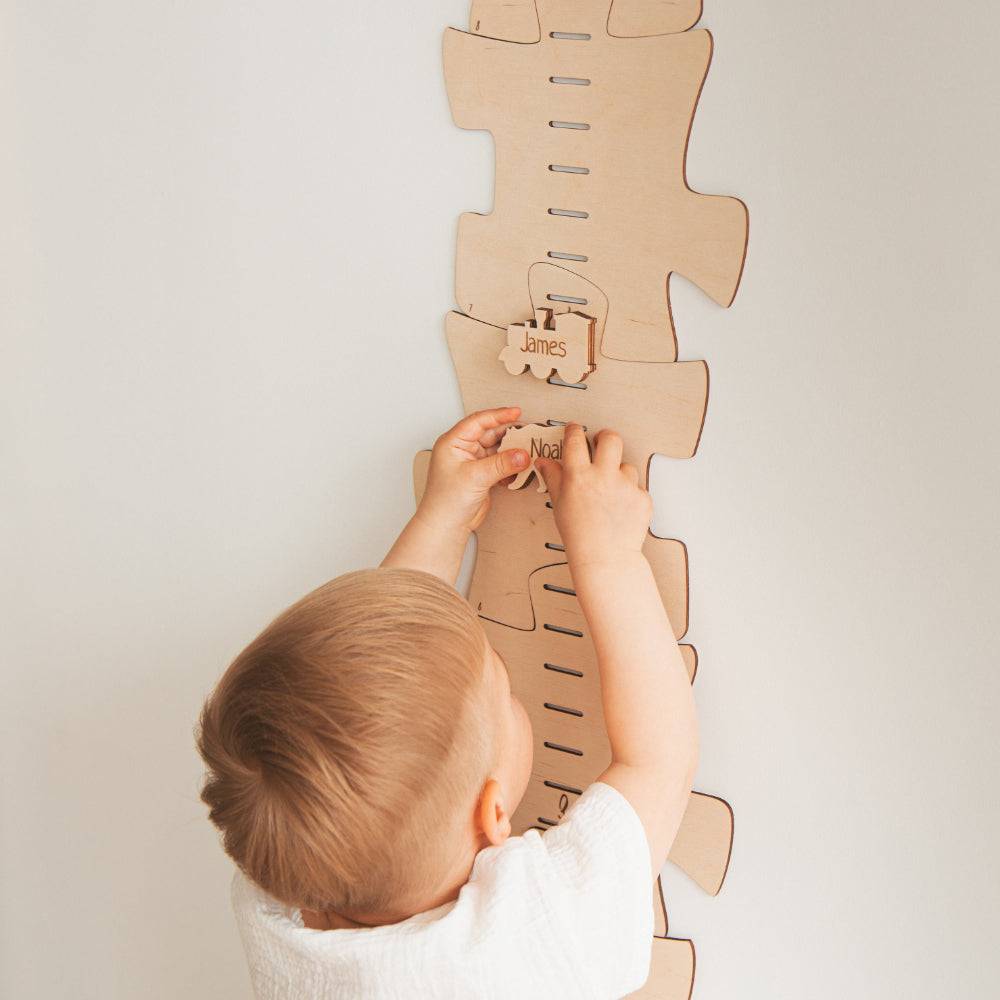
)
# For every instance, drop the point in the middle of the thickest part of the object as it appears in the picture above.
(465, 465)
(603, 516)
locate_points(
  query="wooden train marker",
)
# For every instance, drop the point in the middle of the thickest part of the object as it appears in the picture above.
(563, 346)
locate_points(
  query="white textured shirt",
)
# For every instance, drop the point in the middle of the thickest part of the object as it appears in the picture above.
(565, 913)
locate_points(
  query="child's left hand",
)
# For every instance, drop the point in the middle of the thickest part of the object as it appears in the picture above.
(465, 465)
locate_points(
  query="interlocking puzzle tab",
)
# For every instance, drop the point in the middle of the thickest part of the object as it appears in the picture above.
(517, 20)
(539, 441)
(564, 346)
(591, 133)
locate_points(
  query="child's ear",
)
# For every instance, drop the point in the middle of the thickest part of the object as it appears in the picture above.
(491, 816)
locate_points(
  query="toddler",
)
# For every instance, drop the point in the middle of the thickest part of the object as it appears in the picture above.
(365, 755)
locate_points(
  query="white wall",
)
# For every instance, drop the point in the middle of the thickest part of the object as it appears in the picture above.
(225, 253)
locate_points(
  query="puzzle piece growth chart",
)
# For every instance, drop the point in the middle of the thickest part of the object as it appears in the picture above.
(563, 296)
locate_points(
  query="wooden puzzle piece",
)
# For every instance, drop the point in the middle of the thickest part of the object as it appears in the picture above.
(539, 441)
(638, 18)
(671, 971)
(554, 672)
(708, 824)
(519, 535)
(517, 20)
(591, 135)
(655, 407)
(563, 346)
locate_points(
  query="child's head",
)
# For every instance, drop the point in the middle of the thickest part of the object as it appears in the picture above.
(361, 744)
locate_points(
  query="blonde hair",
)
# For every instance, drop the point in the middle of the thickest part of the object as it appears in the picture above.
(348, 741)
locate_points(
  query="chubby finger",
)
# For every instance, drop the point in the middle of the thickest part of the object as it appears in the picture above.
(631, 473)
(608, 450)
(483, 423)
(492, 437)
(575, 450)
(551, 471)
(491, 470)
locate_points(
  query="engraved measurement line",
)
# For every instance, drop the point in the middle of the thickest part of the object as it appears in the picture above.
(563, 631)
(563, 670)
(575, 712)
(563, 788)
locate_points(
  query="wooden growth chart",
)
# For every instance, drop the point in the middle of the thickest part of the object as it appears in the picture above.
(564, 310)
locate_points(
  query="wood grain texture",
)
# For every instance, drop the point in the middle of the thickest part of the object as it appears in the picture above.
(657, 408)
(637, 18)
(671, 971)
(633, 217)
(511, 20)
(708, 823)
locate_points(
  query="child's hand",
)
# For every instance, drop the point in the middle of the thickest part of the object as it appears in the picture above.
(601, 511)
(465, 465)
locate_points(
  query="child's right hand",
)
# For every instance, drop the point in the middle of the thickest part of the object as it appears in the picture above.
(601, 511)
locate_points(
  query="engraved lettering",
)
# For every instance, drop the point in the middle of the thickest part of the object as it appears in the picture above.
(546, 449)
(540, 345)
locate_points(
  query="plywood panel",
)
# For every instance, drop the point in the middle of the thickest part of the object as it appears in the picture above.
(617, 112)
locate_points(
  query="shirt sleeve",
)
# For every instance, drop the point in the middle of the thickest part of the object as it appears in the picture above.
(600, 890)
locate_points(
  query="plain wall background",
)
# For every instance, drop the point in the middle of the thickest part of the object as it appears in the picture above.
(226, 249)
